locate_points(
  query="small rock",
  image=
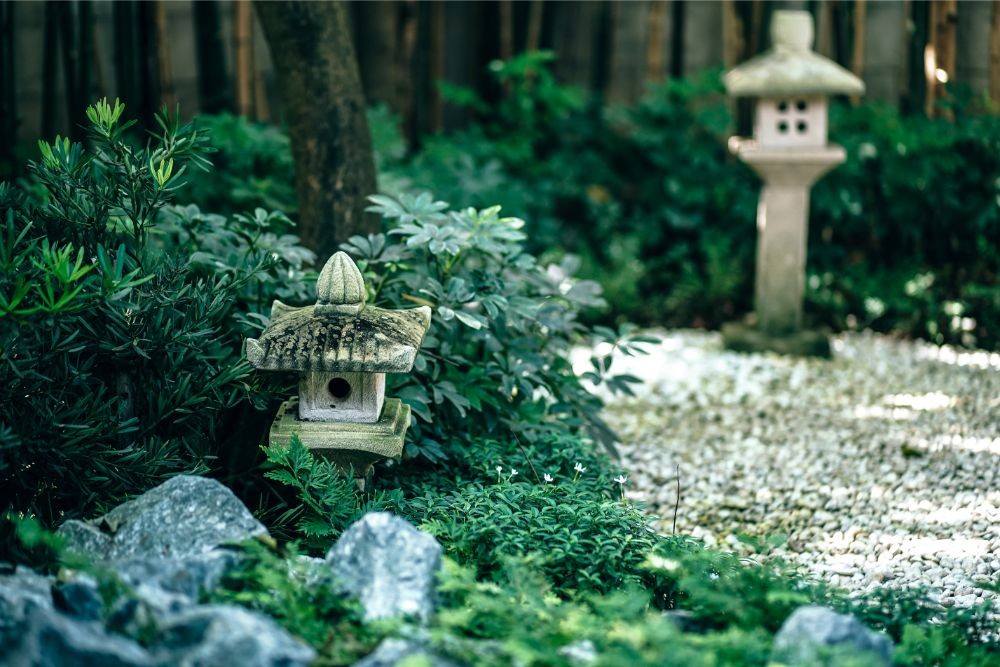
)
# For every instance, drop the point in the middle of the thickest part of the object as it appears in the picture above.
(20, 593)
(813, 633)
(389, 565)
(79, 597)
(225, 636)
(189, 576)
(50, 639)
(184, 516)
(392, 652)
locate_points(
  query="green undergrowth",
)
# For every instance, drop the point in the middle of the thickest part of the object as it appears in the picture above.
(123, 314)
(902, 236)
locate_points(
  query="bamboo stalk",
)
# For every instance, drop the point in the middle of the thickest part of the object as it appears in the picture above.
(732, 35)
(506, 8)
(655, 56)
(858, 46)
(939, 59)
(243, 57)
(164, 71)
(995, 54)
(436, 65)
(534, 38)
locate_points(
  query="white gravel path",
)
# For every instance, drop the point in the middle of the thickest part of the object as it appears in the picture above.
(880, 467)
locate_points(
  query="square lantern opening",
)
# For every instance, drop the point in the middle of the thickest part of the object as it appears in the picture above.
(341, 397)
(791, 122)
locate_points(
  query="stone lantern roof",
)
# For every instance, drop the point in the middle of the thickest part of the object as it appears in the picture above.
(341, 333)
(791, 67)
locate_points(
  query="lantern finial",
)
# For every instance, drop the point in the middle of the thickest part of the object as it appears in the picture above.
(340, 283)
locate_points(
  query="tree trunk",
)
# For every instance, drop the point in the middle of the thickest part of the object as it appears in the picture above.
(656, 59)
(377, 27)
(213, 82)
(324, 107)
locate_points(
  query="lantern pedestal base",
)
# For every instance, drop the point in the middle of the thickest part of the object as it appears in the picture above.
(348, 445)
(741, 337)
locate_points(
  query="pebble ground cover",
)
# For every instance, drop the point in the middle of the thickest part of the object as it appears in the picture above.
(878, 468)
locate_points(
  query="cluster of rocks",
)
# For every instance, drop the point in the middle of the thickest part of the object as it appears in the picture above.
(166, 549)
(879, 467)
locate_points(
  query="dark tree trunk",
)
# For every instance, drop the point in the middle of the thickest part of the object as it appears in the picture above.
(325, 111)
(50, 67)
(8, 92)
(213, 83)
(376, 30)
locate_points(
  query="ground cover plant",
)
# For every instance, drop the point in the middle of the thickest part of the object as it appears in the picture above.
(508, 463)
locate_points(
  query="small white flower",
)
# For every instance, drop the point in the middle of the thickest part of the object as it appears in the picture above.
(579, 467)
(513, 472)
(621, 479)
(548, 478)
(499, 469)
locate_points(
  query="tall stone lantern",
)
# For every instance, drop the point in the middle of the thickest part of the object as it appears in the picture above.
(342, 348)
(789, 151)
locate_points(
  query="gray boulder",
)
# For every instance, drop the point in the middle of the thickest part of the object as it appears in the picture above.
(816, 635)
(51, 639)
(189, 576)
(224, 636)
(392, 652)
(389, 565)
(21, 592)
(184, 516)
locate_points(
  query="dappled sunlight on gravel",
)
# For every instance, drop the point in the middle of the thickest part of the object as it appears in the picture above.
(880, 467)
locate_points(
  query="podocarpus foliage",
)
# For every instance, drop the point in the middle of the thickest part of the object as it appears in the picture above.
(120, 317)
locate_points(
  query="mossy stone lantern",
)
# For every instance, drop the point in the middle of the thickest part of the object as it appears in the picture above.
(789, 151)
(342, 348)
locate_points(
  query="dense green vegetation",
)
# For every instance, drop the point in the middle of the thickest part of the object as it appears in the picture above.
(105, 275)
(903, 236)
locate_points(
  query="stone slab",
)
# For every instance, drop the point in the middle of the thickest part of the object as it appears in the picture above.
(348, 445)
(741, 337)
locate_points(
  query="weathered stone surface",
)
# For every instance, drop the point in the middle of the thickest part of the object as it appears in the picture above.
(79, 597)
(740, 337)
(340, 333)
(51, 639)
(340, 283)
(341, 397)
(20, 592)
(225, 636)
(392, 652)
(184, 516)
(813, 634)
(348, 445)
(389, 565)
(189, 576)
(790, 66)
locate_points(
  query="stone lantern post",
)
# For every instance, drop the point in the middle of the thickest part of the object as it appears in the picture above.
(342, 348)
(789, 151)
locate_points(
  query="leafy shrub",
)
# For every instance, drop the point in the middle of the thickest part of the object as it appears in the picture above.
(121, 335)
(496, 357)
